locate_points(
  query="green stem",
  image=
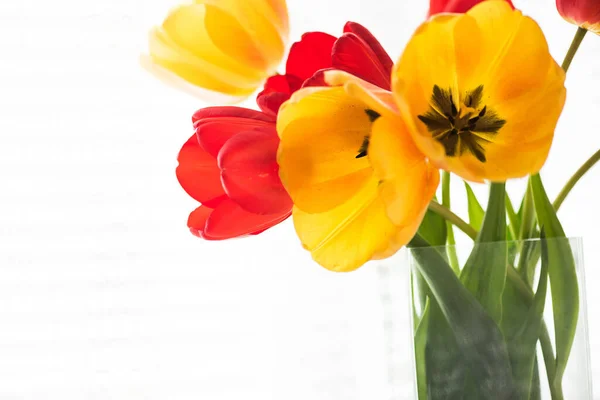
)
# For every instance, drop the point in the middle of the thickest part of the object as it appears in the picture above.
(512, 218)
(526, 232)
(575, 178)
(452, 256)
(579, 35)
(454, 219)
(550, 362)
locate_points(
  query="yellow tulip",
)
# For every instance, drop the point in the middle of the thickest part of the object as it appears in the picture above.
(346, 167)
(224, 46)
(481, 93)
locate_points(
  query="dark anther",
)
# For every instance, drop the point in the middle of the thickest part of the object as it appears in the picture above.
(364, 148)
(460, 131)
(373, 115)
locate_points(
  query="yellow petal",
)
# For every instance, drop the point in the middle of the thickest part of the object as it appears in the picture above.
(265, 22)
(346, 237)
(407, 181)
(503, 52)
(374, 97)
(321, 134)
(225, 46)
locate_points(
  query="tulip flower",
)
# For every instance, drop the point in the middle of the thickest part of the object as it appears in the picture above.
(585, 13)
(224, 46)
(357, 51)
(481, 93)
(229, 166)
(454, 6)
(345, 166)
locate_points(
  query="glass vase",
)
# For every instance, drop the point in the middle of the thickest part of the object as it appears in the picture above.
(484, 324)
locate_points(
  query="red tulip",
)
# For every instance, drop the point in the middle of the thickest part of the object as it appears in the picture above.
(356, 51)
(585, 13)
(229, 165)
(455, 6)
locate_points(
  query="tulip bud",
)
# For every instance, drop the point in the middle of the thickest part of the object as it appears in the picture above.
(584, 13)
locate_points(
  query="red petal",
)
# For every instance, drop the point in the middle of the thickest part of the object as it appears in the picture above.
(277, 90)
(229, 220)
(363, 33)
(197, 220)
(454, 6)
(310, 54)
(239, 112)
(352, 54)
(250, 174)
(199, 174)
(215, 128)
(318, 79)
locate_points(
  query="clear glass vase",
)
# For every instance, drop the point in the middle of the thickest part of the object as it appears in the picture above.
(483, 331)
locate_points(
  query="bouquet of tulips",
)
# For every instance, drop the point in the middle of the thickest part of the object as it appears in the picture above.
(355, 148)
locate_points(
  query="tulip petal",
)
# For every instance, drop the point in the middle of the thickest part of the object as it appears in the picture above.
(266, 29)
(249, 172)
(216, 125)
(229, 220)
(384, 59)
(197, 221)
(344, 238)
(310, 54)
(352, 54)
(322, 131)
(277, 91)
(454, 6)
(407, 182)
(199, 174)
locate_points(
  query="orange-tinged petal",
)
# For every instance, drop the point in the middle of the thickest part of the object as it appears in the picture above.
(344, 238)
(321, 132)
(407, 181)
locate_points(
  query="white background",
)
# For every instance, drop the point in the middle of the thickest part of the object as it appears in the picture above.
(104, 294)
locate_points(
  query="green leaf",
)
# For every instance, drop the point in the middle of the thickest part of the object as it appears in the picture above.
(477, 336)
(484, 274)
(476, 212)
(446, 369)
(521, 327)
(563, 276)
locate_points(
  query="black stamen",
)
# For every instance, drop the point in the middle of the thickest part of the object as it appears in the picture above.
(364, 148)
(454, 128)
(373, 115)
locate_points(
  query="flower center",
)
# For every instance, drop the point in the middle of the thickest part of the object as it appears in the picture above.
(467, 128)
